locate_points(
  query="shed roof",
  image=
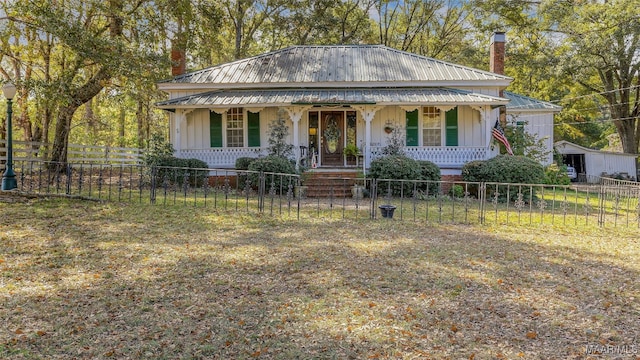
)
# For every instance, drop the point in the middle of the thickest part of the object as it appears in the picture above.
(222, 98)
(337, 64)
(566, 147)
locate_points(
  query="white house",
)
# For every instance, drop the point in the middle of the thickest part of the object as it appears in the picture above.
(335, 96)
(535, 116)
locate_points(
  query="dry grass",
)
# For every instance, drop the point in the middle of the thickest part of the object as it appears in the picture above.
(89, 280)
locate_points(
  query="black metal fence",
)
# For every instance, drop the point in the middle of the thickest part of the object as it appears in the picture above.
(607, 203)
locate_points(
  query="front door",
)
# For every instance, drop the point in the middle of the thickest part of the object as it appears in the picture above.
(332, 138)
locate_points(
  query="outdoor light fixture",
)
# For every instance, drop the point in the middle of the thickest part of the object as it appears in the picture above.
(9, 177)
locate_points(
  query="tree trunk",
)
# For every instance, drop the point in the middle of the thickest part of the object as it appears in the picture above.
(121, 125)
(65, 115)
(61, 141)
(140, 117)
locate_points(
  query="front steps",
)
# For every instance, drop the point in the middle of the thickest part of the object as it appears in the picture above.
(325, 183)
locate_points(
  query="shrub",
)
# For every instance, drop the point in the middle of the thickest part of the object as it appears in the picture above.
(278, 133)
(511, 169)
(158, 150)
(429, 172)
(472, 171)
(272, 164)
(175, 170)
(456, 191)
(503, 169)
(556, 175)
(397, 167)
(243, 163)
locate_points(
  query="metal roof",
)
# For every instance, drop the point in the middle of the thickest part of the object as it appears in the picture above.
(335, 64)
(224, 98)
(524, 103)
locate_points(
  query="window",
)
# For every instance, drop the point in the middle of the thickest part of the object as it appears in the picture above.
(431, 126)
(235, 127)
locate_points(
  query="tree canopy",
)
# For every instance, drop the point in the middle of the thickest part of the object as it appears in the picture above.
(86, 69)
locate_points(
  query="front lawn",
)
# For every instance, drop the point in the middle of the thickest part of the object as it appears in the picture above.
(91, 280)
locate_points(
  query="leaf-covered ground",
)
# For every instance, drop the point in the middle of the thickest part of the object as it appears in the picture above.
(83, 280)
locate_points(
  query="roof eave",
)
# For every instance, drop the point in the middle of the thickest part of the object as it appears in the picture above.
(333, 85)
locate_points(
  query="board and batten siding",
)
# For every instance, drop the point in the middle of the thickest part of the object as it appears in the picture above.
(539, 125)
(195, 131)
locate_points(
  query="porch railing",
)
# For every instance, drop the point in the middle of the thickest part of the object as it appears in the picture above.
(441, 156)
(221, 157)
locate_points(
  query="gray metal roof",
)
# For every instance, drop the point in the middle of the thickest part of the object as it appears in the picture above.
(223, 98)
(335, 64)
(524, 103)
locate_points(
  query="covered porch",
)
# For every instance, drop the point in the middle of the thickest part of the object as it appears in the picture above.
(448, 127)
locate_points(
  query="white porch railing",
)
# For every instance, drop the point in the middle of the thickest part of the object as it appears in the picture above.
(221, 157)
(455, 156)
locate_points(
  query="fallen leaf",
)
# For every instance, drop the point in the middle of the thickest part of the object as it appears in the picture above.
(532, 335)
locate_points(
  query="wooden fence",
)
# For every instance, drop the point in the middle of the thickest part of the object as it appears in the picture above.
(84, 154)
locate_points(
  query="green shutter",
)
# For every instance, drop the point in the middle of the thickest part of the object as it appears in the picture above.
(412, 128)
(451, 126)
(215, 129)
(253, 127)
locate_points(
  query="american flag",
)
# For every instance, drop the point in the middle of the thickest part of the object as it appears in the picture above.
(498, 133)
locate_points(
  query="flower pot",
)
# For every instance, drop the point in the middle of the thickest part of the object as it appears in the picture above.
(387, 211)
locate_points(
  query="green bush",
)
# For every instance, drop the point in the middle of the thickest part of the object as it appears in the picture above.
(511, 169)
(472, 171)
(175, 170)
(157, 150)
(396, 167)
(456, 191)
(243, 163)
(273, 164)
(429, 172)
(556, 175)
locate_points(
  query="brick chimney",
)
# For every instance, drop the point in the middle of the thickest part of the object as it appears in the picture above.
(496, 66)
(178, 63)
(496, 53)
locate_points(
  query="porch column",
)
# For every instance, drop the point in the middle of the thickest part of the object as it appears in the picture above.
(368, 112)
(295, 113)
(179, 118)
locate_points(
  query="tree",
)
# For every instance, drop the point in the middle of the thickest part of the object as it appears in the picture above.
(85, 45)
(593, 43)
(428, 28)
(601, 40)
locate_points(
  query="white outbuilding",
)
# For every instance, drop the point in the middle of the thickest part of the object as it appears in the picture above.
(590, 163)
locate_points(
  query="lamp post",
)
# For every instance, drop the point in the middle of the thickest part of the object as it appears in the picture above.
(9, 177)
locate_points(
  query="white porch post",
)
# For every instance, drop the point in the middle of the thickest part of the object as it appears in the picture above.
(179, 118)
(486, 125)
(368, 112)
(295, 113)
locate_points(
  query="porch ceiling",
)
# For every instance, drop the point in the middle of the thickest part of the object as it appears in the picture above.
(280, 97)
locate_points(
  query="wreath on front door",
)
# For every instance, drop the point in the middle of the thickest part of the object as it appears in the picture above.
(332, 135)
